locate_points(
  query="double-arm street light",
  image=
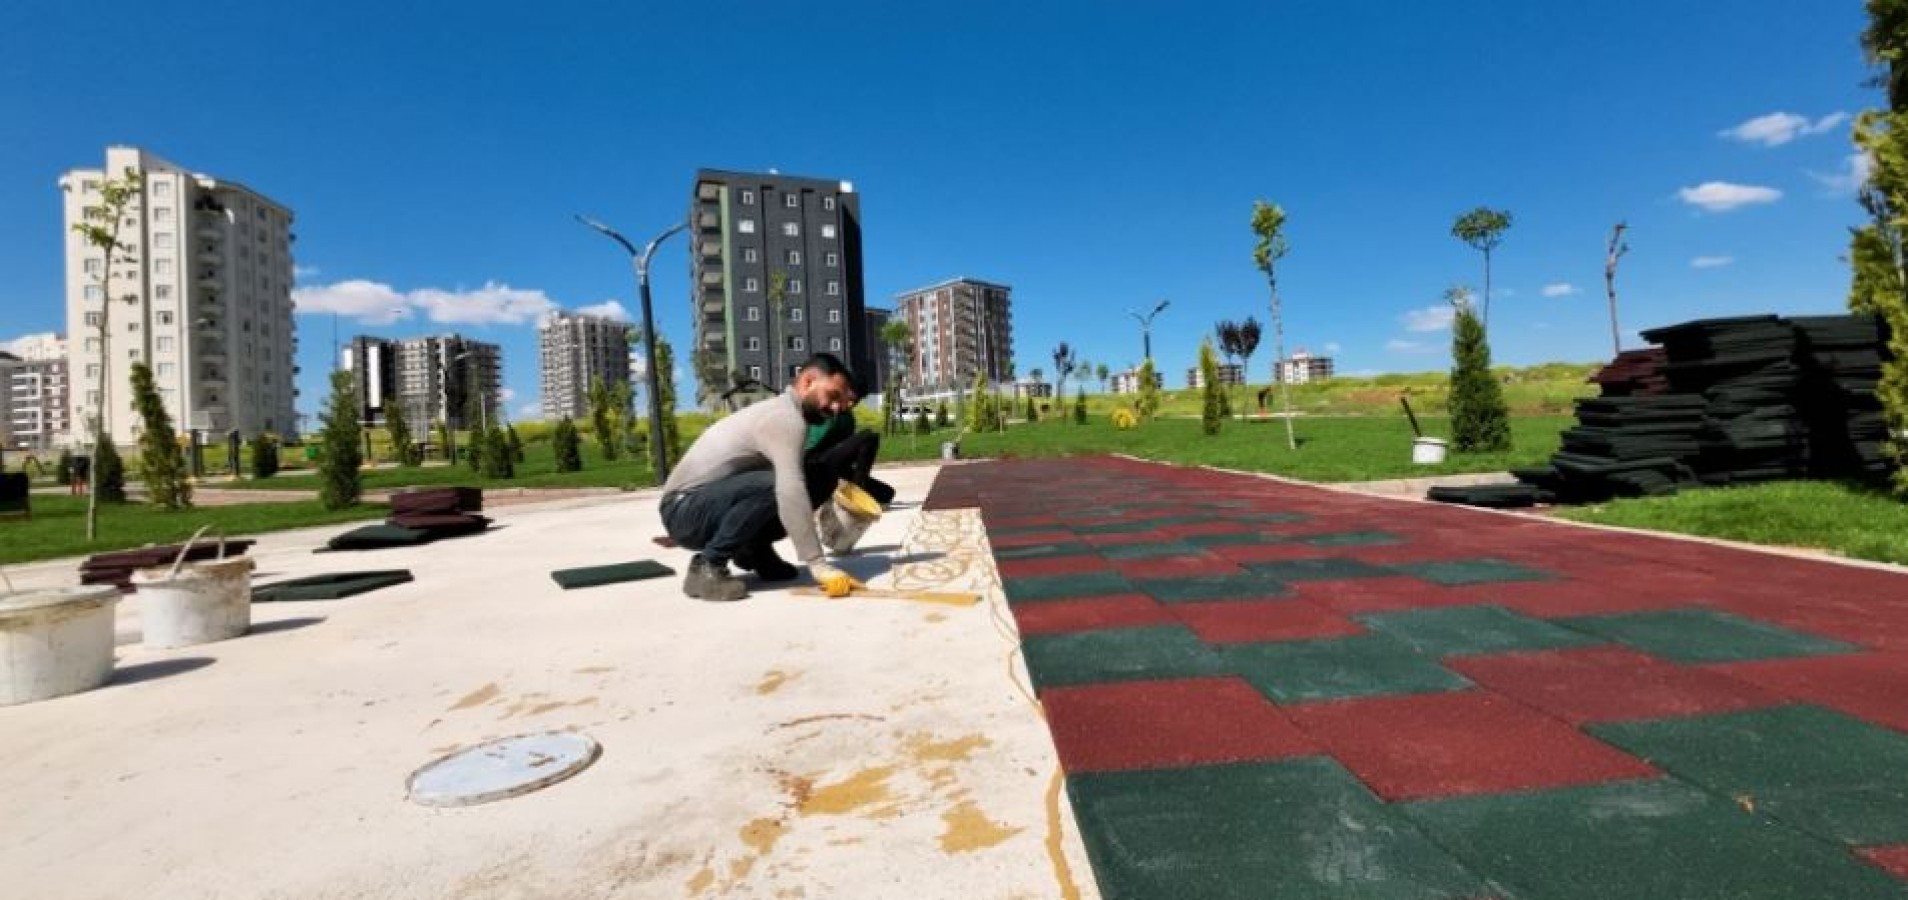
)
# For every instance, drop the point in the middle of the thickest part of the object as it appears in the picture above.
(1146, 325)
(639, 259)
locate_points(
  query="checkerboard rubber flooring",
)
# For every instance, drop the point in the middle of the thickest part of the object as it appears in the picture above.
(1260, 689)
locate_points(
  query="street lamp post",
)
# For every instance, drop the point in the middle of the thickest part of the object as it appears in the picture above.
(1146, 325)
(658, 453)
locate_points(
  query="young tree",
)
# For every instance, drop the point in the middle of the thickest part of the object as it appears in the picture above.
(1211, 393)
(399, 430)
(666, 381)
(1268, 222)
(161, 465)
(1229, 335)
(99, 227)
(982, 417)
(1618, 247)
(63, 468)
(899, 339)
(1878, 250)
(340, 447)
(1148, 403)
(498, 461)
(1104, 373)
(1483, 228)
(1479, 419)
(1079, 406)
(516, 443)
(1031, 414)
(778, 304)
(1064, 361)
(921, 424)
(602, 418)
(941, 419)
(264, 450)
(567, 447)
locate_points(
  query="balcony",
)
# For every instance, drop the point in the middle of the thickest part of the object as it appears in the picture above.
(209, 279)
(709, 221)
(711, 277)
(210, 257)
(713, 306)
(210, 232)
(710, 249)
(708, 191)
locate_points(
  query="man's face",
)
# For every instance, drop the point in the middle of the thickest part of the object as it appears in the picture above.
(823, 397)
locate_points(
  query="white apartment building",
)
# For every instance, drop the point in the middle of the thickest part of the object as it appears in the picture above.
(202, 293)
(574, 352)
(33, 403)
(960, 327)
(1304, 368)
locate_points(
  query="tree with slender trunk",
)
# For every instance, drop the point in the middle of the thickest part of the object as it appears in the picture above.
(1063, 362)
(1479, 419)
(1618, 247)
(99, 227)
(1878, 250)
(161, 464)
(1249, 332)
(566, 446)
(1103, 373)
(341, 447)
(398, 429)
(778, 305)
(666, 395)
(1211, 392)
(602, 418)
(1227, 331)
(1483, 228)
(1268, 222)
(898, 338)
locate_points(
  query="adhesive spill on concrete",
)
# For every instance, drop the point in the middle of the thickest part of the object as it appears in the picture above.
(924, 748)
(969, 829)
(772, 682)
(701, 881)
(937, 617)
(822, 718)
(477, 697)
(760, 835)
(864, 788)
(596, 670)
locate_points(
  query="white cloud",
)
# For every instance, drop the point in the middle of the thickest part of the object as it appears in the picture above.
(1710, 262)
(302, 272)
(1721, 196)
(1778, 128)
(1332, 347)
(369, 302)
(609, 309)
(31, 345)
(1400, 345)
(1430, 318)
(492, 304)
(1560, 289)
(529, 412)
(1855, 170)
(506, 395)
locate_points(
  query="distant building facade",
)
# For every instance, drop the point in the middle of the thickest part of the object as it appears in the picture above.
(1304, 368)
(1229, 374)
(960, 328)
(575, 352)
(35, 398)
(442, 378)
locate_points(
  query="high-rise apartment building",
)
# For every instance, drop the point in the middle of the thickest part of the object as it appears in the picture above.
(775, 275)
(1303, 368)
(574, 352)
(34, 400)
(960, 328)
(442, 378)
(202, 294)
(882, 359)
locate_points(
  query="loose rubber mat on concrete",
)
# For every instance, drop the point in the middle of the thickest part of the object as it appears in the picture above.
(592, 576)
(1261, 689)
(330, 586)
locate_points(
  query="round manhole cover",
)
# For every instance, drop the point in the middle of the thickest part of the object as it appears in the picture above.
(503, 768)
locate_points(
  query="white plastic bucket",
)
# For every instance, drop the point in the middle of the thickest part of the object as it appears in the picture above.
(1427, 451)
(55, 642)
(845, 518)
(195, 604)
(950, 450)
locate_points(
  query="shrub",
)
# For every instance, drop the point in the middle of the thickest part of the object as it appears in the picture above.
(112, 473)
(940, 415)
(1079, 406)
(1479, 419)
(1212, 396)
(1148, 404)
(264, 449)
(340, 447)
(495, 458)
(399, 430)
(161, 465)
(63, 469)
(568, 446)
(1124, 419)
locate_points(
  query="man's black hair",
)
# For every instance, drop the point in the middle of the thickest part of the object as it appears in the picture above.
(828, 364)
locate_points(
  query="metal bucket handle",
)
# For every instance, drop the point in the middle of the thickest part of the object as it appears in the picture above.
(187, 548)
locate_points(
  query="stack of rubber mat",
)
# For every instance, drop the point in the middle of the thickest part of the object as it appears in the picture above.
(116, 568)
(1843, 356)
(1493, 496)
(1633, 373)
(1747, 369)
(419, 516)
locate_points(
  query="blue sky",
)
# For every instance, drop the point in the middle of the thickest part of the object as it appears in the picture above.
(1096, 157)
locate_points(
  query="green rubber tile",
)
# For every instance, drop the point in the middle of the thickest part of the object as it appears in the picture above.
(1816, 769)
(1330, 568)
(1658, 839)
(1199, 588)
(1471, 630)
(1153, 550)
(1118, 654)
(1114, 527)
(1338, 668)
(1226, 538)
(1471, 571)
(1270, 518)
(1293, 829)
(1061, 587)
(1703, 636)
(1041, 551)
(1352, 539)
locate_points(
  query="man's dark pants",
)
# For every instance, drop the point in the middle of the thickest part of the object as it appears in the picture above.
(734, 515)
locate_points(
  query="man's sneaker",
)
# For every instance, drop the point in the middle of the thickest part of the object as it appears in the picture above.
(766, 565)
(712, 581)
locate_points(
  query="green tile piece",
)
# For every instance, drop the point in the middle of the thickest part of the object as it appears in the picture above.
(1657, 839)
(1114, 528)
(1352, 539)
(1270, 518)
(1042, 551)
(1118, 654)
(1469, 630)
(1824, 772)
(1471, 571)
(1061, 587)
(1228, 537)
(1703, 636)
(1337, 668)
(1197, 588)
(1154, 550)
(1328, 568)
(1292, 829)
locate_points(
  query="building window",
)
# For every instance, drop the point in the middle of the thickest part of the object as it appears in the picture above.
(791, 229)
(828, 203)
(162, 292)
(752, 344)
(92, 345)
(791, 200)
(165, 370)
(834, 316)
(162, 240)
(748, 198)
(92, 370)
(93, 266)
(828, 231)
(92, 318)
(164, 316)
(89, 185)
(162, 214)
(834, 344)
(751, 285)
(794, 285)
(795, 342)
(832, 259)
(749, 255)
(794, 257)
(162, 189)
(746, 226)
(133, 326)
(94, 292)
(162, 267)
(794, 314)
(752, 314)
(755, 372)
(834, 288)
(92, 399)
(163, 344)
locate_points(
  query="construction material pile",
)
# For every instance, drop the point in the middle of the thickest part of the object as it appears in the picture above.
(1719, 401)
(116, 567)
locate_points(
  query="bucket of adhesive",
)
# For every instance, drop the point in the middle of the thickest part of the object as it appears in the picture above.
(55, 642)
(950, 450)
(197, 603)
(1427, 451)
(844, 519)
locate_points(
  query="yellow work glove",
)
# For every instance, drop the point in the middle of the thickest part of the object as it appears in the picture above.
(834, 582)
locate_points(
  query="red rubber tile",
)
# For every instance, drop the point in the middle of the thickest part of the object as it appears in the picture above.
(1609, 684)
(1042, 520)
(1471, 742)
(1051, 565)
(1030, 539)
(1247, 621)
(1176, 566)
(1167, 724)
(1583, 597)
(1090, 613)
(1892, 859)
(1863, 621)
(1389, 593)
(1216, 526)
(1871, 686)
(1124, 537)
(1253, 553)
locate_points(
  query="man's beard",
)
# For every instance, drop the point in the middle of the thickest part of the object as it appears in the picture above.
(812, 412)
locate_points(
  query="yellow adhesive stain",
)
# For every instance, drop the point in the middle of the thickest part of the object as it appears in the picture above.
(969, 829)
(772, 682)
(761, 834)
(739, 869)
(925, 749)
(864, 788)
(937, 617)
(477, 697)
(596, 670)
(1062, 870)
(701, 881)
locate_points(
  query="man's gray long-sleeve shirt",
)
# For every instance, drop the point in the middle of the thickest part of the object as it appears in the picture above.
(767, 435)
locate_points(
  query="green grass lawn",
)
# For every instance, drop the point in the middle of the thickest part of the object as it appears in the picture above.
(538, 470)
(58, 526)
(1848, 519)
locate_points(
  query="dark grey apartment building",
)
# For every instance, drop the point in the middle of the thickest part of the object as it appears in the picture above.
(775, 275)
